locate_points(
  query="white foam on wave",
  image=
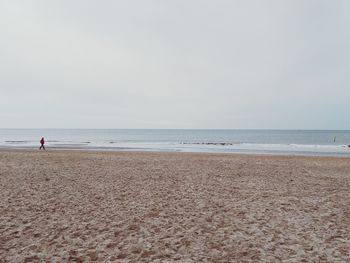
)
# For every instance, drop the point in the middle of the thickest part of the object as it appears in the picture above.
(273, 147)
(293, 146)
(254, 148)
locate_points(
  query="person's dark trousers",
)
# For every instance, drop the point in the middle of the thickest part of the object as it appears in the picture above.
(42, 146)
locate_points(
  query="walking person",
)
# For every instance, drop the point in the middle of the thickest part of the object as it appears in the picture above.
(42, 142)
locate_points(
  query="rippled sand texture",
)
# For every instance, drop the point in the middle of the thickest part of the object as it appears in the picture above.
(63, 206)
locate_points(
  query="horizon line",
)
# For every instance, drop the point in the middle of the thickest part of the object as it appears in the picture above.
(276, 129)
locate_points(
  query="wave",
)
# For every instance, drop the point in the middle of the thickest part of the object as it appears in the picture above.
(209, 143)
(294, 145)
(17, 141)
(196, 146)
(268, 145)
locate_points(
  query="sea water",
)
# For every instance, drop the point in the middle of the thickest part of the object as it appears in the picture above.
(305, 142)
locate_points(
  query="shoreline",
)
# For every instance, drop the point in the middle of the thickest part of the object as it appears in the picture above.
(145, 150)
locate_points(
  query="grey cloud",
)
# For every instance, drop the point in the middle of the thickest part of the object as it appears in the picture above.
(175, 64)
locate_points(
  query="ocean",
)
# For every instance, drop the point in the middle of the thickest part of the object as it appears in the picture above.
(295, 142)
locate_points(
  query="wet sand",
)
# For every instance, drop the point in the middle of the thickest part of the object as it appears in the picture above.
(74, 206)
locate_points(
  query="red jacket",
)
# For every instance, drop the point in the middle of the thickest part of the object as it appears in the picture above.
(42, 141)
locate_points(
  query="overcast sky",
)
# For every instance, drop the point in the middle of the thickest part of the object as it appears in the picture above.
(175, 64)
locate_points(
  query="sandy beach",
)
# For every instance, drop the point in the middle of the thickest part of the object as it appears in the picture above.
(74, 206)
